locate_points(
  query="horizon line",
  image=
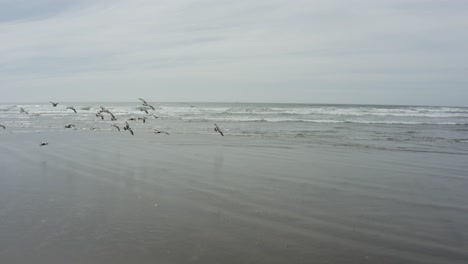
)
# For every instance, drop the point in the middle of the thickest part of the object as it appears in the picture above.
(236, 102)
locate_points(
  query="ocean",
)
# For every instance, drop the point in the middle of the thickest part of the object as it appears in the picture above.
(405, 128)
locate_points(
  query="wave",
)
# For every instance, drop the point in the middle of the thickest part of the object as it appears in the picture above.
(284, 120)
(258, 111)
(355, 111)
(274, 113)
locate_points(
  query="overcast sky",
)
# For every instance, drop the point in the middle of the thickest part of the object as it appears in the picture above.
(324, 51)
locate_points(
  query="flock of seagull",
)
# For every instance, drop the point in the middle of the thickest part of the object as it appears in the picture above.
(102, 111)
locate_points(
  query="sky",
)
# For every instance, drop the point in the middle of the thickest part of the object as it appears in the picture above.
(295, 51)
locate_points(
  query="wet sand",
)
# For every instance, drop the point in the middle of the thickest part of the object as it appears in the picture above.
(108, 197)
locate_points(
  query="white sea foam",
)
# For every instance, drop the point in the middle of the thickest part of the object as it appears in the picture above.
(251, 119)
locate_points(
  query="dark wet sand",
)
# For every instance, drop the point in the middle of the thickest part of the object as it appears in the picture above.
(103, 197)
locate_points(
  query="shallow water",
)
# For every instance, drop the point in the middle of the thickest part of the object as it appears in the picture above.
(108, 197)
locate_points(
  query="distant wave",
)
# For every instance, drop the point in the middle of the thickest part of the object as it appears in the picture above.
(355, 111)
(258, 111)
(272, 113)
(281, 120)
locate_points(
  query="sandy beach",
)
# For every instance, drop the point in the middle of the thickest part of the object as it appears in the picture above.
(108, 197)
(233, 132)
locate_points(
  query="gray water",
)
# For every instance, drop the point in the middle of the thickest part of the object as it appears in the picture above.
(406, 128)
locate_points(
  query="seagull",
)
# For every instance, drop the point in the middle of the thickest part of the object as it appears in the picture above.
(98, 114)
(217, 129)
(23, 111)
(160, 132)
(146, 103)
(116, 126)
(104, 110)
(3, 126)
(127, 127)
(155, 116)
(143, 119)
(112, 116)
(132, 119)
(72, 108)
(54, 104)
(70, 126)
(150, 106)
(43, 144)
(144, 110)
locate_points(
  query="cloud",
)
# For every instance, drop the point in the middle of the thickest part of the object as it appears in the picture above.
(219, 50)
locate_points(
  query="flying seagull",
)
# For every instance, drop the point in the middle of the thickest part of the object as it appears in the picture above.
(146, 103)
(160, 132)
(23, 111)
(116, 126)
(144, 110)
(43, 144)
(112, 115)
(155, 116)
(70, 126)
(3, 126)
(72, 108)
(98, 114)
(217, 129)
(150, 106)
(143, 119)
(104, 110)
(127, 127)
(54, 104)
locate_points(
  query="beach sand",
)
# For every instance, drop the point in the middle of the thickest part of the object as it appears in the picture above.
(108, 197)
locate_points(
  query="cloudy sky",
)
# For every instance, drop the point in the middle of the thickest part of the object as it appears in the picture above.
(304, 51)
